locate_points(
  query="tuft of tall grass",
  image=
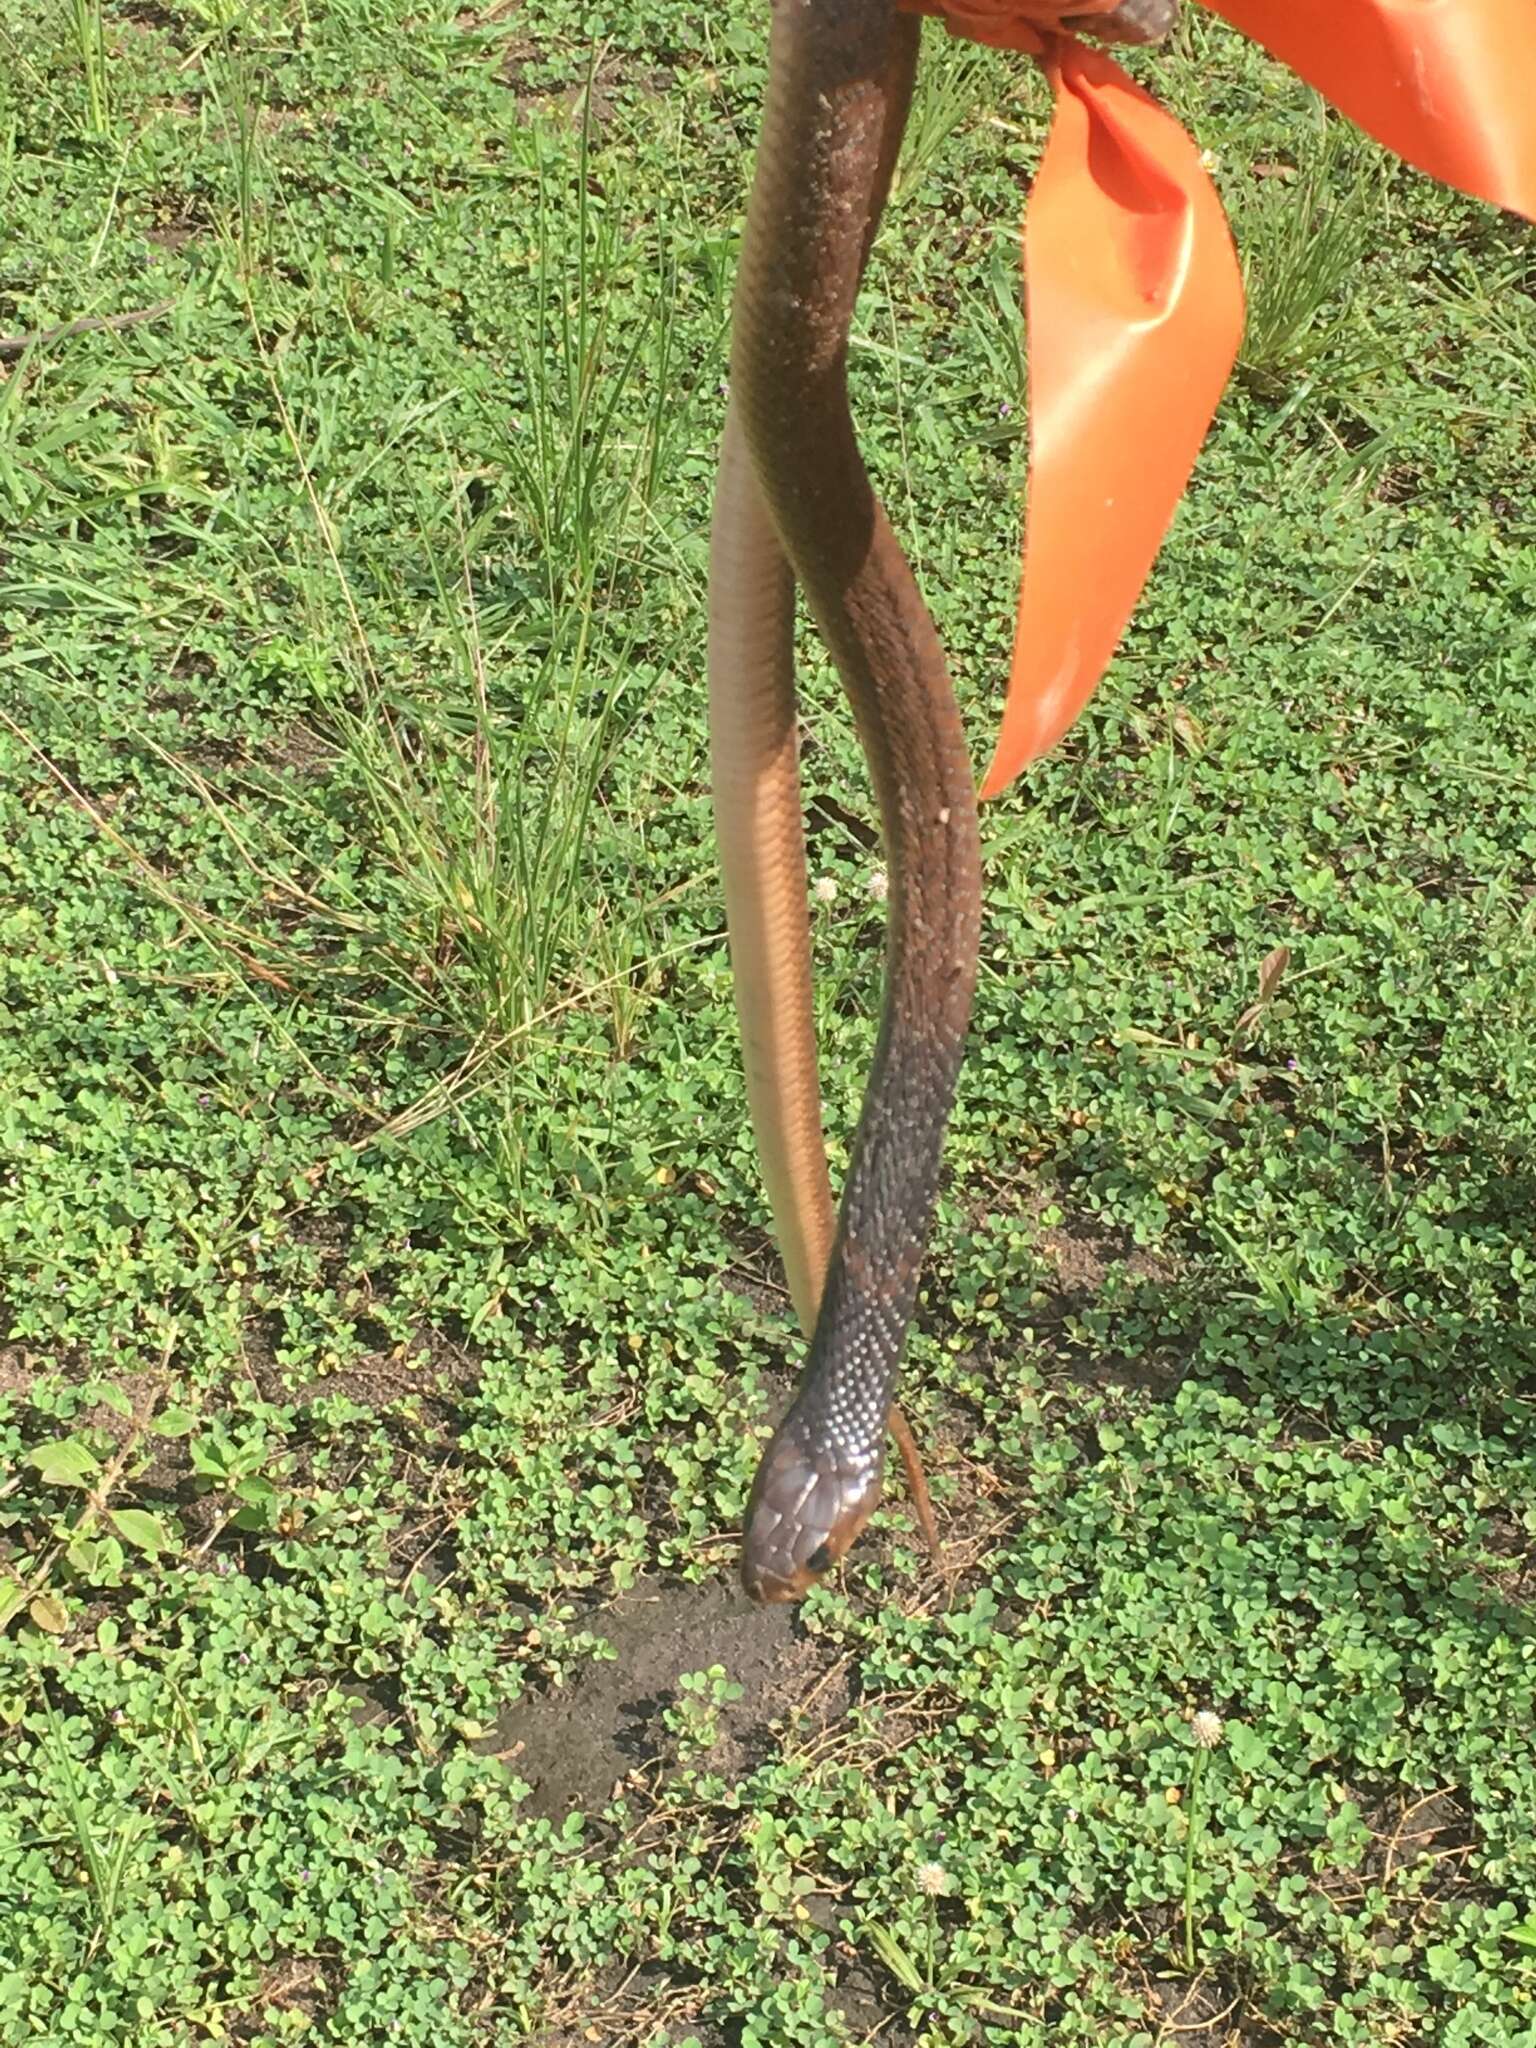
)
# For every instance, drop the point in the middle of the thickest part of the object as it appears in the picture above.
(235, 88)
(954, 81)
(1303, 238)
(103, 1852)
(481, 802)
(482, 783)
(581, 472)
(91, 44)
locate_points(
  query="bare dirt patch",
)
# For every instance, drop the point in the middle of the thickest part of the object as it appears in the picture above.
(574, 1746)
(1204, 2014)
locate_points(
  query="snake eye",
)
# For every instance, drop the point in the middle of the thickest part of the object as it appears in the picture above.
(819, 1560)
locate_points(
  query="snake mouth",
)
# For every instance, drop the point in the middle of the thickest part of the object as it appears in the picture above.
(768, 1590)
(807, 1509)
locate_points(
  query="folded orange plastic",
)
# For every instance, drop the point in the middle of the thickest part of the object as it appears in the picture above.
(1135, 307)
(1134, 295)
(1450, 85)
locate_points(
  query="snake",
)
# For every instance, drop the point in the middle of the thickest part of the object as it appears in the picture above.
(795, 508)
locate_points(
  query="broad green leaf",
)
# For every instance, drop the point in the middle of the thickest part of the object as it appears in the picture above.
(49, 1614)
(64, 1462)
(137, 1526)
(111, 1396)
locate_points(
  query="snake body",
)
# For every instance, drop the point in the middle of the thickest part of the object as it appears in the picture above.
(795, 505)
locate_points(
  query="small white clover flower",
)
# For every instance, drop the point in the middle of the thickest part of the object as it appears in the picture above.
(1207, 1729)
(878, 886)
(1209, 160)
(933, 1880)
(826, 889)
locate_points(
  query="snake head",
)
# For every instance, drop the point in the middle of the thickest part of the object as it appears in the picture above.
(807, 1507)
(1133, 21)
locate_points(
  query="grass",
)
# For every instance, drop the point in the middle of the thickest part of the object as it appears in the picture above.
(1307, 236)
(389, 1316)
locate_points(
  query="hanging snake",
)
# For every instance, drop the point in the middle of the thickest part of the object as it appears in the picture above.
(1135, 312)
(794, 505)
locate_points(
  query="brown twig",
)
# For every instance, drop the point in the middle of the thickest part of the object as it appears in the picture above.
(17, 344)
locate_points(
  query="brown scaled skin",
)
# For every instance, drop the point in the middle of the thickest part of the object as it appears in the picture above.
(840, 73)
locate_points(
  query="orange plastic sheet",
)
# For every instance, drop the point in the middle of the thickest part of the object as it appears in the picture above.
(1134, 295)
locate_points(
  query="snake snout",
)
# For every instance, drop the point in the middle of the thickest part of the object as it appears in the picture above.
(805, 1512)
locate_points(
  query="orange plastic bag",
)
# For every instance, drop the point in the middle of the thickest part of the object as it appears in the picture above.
(1135, 297)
